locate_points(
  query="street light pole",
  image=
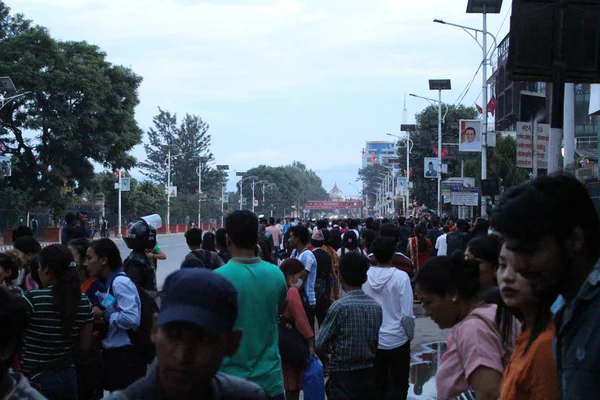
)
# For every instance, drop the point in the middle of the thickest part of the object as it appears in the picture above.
(439, 174)
(168, 193)
(484, 98)
(119, 235)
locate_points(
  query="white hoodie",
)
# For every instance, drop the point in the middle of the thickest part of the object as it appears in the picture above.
(391, 288)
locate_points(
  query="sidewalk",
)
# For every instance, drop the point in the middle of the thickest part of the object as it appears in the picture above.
(8, 247)
(426, 331)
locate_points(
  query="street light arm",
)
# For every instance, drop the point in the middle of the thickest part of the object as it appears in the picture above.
(468, 28)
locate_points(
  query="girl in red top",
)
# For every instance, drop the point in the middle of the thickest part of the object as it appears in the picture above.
(294, 312)
(419, 248)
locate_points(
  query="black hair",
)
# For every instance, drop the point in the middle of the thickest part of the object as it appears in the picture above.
(71, 218)
(322, 224)
(444, 276)
(368, 236)
(66, 291)
(401, 220)
(221, 237)
(335, 239)
(384, 249)
(28, 245)
(242, 229)
(389, 230)
(34, 269)
(420, 235)
(352, 223)
(481, 227)
(13, 323)
(301, 232)
(263, 221)
(193, 237)
(107, 248)
(349, 240)
(445, 229)
(544, 207)
(353, 269)
(81, 246)
(431, 163)
(208, 242)
(21, 231)
(326, 236)
(8, 264)
(486, 248)
(291, 266)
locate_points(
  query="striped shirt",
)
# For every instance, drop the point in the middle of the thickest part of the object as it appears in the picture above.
(46, 346)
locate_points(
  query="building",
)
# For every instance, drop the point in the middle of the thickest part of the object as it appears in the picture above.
(336, 194)
(522, 101)
(379, 152)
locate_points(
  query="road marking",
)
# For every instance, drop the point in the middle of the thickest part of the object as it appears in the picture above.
(181, 244)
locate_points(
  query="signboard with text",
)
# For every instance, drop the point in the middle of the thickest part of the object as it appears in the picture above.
(525, 145)
(332, 205)
(465, 197)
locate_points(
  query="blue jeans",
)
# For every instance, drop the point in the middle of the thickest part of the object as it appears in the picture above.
(58, 384)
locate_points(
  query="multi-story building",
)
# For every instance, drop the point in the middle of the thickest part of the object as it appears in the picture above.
(378, 152)
(522, 101)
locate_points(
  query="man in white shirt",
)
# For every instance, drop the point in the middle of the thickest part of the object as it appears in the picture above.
(391, 288)
(441, 245)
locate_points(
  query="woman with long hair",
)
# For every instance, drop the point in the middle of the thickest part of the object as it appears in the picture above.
(531, 372)
(476, 357)
(419, 248)
(60, 320)
(9, 271)
(295, 314)
(89, 364)
(350, 244)
(208, 242)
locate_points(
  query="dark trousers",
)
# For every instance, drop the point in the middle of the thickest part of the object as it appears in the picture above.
(355, 385)
(122, 367)
(58, 384)
(90, 373)
(392, 368)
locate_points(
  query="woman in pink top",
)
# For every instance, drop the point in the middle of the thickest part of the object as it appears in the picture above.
(476, 357)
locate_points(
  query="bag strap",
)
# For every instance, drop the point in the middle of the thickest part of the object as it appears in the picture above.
(507, 350)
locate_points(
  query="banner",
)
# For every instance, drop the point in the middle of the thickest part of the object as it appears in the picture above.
(525, 145)
(430, 165)
(172, 191)
(401, 185)
(5, 166)
(125, 184)
(469, 135)
(332, 205)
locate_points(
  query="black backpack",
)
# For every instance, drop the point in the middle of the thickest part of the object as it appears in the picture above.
(140, 337)
(456, 241)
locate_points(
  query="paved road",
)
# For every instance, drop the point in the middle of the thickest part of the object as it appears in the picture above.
(174, 247)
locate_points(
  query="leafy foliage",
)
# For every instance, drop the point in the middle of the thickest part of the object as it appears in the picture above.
(295, 185)
(80, 110)
(370, 178)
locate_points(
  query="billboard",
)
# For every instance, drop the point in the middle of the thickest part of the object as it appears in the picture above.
(401, 184)
(469, 131)
(125, 184)
(5, 166)
(172, 191)
(465, 197)
(430, 165)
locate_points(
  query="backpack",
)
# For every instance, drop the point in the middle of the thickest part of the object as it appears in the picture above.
(140, 337)
(201, 256)
(456, 241)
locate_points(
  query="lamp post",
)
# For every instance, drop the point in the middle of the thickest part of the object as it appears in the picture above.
(201, 159)
(481, 7)
(222, 168)
(253, 184)
(439, 85)
(169, 156)
(361, 193)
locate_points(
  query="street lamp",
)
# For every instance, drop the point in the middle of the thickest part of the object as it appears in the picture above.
(481, 7)
(222, 168)
(169, 156)
(7, 84)
(201, 159)
(253, 184)
(439, 85)
(409, 146)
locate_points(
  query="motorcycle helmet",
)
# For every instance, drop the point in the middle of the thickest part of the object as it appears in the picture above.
(141, 236)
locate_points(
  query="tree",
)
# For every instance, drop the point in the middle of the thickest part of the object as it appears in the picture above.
(295, 185)
(80, 110)
(188, 141)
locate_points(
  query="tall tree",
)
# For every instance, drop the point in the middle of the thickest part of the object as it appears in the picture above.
(80, 110)
(369, 176)
(187, 141)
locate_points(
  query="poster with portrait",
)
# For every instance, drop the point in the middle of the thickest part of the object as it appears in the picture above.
(469, 135)
(431, 165)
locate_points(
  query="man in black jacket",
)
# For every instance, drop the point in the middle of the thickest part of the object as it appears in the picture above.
(193, 333)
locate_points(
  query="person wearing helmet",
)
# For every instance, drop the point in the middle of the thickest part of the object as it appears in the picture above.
(137, 267)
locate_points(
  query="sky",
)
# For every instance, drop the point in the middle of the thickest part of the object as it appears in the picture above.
(282, 80)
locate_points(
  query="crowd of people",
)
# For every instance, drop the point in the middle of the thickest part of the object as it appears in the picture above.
(254, 302)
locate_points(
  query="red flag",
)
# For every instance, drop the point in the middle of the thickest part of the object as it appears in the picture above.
(479, 108)
(435, 150)
(491, 107)
(444, 152)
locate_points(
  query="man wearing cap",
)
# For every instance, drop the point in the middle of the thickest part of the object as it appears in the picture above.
(262, 292)
(193, 333)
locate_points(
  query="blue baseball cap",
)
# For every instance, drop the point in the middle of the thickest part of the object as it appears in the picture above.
(201, 297)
